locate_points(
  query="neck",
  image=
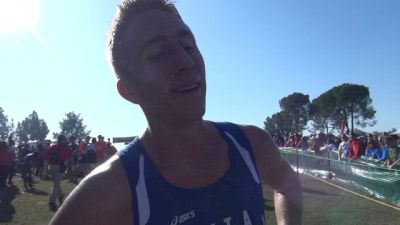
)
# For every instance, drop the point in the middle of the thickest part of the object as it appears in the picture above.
(175, 136)
(172, 145)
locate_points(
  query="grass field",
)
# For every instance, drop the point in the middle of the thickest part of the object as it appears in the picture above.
(31, 207)
(323, 204)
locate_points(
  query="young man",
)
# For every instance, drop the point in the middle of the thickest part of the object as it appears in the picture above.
(55, 159)
(13, 154)
(29, 162)
(83, 162)
(182, 169)
(100, 149)
(5, 163)
(73, 173)
(344, 148)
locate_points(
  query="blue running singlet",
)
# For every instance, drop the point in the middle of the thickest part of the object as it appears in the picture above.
(235, 199)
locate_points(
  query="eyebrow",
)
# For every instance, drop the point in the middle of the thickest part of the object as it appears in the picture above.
(159, 38)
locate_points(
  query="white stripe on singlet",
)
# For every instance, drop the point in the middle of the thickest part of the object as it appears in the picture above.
(143, 203)
(246, 157)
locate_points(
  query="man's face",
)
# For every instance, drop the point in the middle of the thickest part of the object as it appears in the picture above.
(167, 74)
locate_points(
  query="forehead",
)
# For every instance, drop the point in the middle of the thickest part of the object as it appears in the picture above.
(152, 25)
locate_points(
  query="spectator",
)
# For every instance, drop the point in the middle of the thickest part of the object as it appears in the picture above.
(5, 163)
(91, 154)
(373, 148)
(39, 159)
(383, 156)
(83, 157)
(73, 165)
(355, 147)
(344, 147)
(329, 146)
(100, 150)
(56, 157)
(110, 150)
(13, 154)
(28, 163)
(394, 151)
(303, 144)
(319, 142)
(280, 141)
(23, 152)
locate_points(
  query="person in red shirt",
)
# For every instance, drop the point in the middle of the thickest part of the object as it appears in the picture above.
(355, 147)
(100, 150)
(55, 159)
(5, 163)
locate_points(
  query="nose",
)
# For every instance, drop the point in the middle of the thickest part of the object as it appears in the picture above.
(184, 60)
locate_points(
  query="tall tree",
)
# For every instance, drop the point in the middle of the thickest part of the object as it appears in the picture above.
(32, 128)
(277, 123)
(296, 106)
(355, 104)
(323, 112)
(341, 104)
(22, 132)
(5, 128)
(72, 125)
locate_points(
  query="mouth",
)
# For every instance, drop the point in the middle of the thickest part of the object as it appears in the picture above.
(187, 89)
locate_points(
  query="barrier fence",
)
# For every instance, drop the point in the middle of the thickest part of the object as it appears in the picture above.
(374, 178)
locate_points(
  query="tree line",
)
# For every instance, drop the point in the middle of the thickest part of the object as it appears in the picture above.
(33, 128)
(332, 111)
(338, 109)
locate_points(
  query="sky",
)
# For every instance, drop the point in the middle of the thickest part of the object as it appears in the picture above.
(53, 59)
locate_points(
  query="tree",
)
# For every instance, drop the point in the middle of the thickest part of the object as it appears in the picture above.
(72, 125)
(32, 128)
(323, 112)
(296, 107)
(355, 103)
(277, 123)
(342, 103)
(22, 132)
(5, 128)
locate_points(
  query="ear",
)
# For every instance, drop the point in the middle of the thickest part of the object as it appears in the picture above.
(126, 93)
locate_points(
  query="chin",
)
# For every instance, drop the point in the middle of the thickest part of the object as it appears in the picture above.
(192, 115)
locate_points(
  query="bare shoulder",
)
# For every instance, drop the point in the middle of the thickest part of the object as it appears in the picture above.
(266, 152)
(261, 142)
(257, 136)
(102, 197)
(276, 173)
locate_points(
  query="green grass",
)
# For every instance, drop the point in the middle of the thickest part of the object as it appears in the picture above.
(323, 204)
(31, 207)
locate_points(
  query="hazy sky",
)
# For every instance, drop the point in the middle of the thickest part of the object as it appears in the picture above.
(256, 52)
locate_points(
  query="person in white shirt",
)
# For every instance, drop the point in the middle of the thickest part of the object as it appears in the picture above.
(344, 147)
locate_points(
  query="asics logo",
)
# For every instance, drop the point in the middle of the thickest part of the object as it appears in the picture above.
(183, 218)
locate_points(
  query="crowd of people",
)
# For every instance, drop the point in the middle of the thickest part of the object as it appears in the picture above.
(384, 147)
(67, 158)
